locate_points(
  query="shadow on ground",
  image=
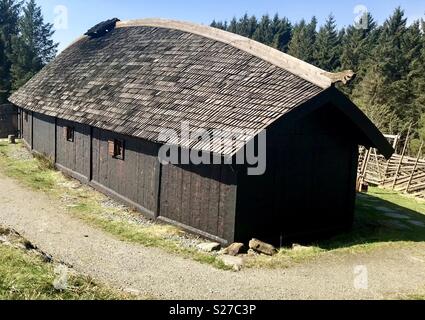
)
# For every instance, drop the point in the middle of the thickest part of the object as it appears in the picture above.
(382, 216)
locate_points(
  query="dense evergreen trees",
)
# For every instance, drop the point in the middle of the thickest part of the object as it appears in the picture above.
(326, 49)
(9, 20)
(26, 44)
(303, 39)
(389, 61)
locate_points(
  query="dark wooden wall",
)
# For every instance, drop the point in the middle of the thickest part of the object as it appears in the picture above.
(44, 135)
(309, 186)
(201, 197)
(74, 156)
(8, 120)
(27, 127)
(136, 178)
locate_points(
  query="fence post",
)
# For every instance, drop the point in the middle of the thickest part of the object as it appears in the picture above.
(388, 162)
(365, 163)
(414, 168)
(378, 167)
(401, 158)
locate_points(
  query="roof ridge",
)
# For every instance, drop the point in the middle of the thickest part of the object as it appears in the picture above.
(278, 58)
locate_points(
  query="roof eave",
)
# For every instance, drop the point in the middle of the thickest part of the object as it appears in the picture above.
(376, 138)
(332, 95)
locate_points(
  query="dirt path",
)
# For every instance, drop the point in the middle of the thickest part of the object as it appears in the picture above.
(162, 275)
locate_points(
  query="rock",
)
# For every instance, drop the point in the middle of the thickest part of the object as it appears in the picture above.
(234, 249)
(252, 253)
(47, 258)
(231, 261)
(208, 246)
(262, 247)
(132, 291)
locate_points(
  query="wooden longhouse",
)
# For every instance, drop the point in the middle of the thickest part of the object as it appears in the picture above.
(98, 108)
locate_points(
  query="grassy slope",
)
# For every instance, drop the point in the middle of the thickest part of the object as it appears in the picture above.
(25, 276)
(372, 229)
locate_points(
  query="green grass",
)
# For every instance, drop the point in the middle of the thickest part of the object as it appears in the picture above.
(35, 172)
(24, 276)
(86, 204)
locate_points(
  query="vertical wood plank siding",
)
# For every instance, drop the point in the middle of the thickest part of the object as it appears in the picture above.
(27, 127)
(73, 155)
(201, 197)
(44, 135)
(309, 187)
(136, 178)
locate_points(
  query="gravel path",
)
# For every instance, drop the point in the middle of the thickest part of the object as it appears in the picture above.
(165, 276)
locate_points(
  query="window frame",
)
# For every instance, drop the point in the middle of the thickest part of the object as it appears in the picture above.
(116, 148)
(69, 133)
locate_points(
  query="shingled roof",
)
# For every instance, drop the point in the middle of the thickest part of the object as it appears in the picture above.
(152, 74)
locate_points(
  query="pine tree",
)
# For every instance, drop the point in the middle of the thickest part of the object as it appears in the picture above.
(419, 83)
(393, 66)
(3, 72)
(416, 78)
(264, 33)
(327, 47)
(243, 27)
(357, 43)
(385, 86)
(219, 25)
(303, 40)
(282, 30)
(9, 16)
(253, 25)
(233, 26)
(412, 47)
(296, 46)
(33, 48)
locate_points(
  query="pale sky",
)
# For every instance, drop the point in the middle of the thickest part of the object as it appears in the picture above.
(75, 17)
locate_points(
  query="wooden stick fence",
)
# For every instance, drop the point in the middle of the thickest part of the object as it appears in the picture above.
(401, 173)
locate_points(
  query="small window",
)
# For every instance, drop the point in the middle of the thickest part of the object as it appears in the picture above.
(69, 134)
(26, 116)
(116, 149)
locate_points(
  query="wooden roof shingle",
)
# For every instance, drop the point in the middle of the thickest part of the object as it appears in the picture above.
(141, 78)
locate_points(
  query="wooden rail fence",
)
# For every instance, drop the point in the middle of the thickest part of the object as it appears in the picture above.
(401, 173)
